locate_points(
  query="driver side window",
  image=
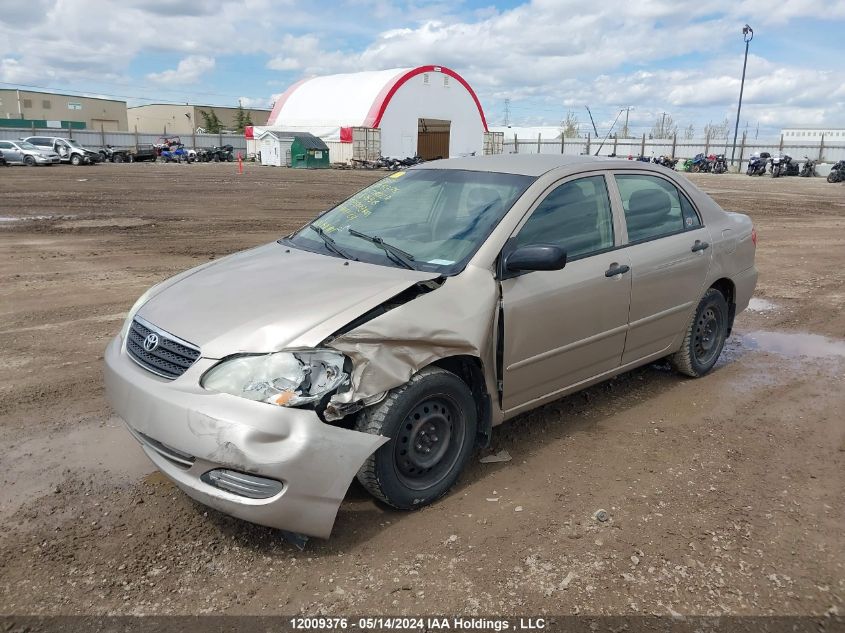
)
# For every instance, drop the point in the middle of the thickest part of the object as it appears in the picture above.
(575, 216)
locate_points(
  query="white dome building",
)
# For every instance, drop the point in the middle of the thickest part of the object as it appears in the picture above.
(428, 110)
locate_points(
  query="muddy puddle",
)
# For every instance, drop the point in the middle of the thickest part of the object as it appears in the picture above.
(795, 345)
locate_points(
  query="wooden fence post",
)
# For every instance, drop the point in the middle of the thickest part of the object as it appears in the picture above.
(562, 142)
(136, 138)
(615, 143)
(539, 134)
(220, 139)
(588, 144)
(821, 149)
(642, 146)
(742, 150)
(515, 144)
(780, 147)
(674, 144)
(102, 136)
(707, 144)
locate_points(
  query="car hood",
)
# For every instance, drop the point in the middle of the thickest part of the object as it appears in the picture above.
(270, 298)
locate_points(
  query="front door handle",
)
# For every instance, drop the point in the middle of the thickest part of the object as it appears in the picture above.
(616, 269)
(699, 246)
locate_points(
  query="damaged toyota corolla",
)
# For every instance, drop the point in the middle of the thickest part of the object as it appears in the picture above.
(388, 336)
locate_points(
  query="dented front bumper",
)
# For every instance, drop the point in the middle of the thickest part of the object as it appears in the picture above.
(203, 440)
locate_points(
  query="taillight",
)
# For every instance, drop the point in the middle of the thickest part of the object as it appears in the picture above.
(754, 236)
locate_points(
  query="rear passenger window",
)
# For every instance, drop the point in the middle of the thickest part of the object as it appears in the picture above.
(575, 216)
(654, 207)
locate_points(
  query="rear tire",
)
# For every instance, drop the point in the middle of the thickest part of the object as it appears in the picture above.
(705, 336)
(431, 421)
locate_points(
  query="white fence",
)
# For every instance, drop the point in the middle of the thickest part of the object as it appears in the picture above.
(94, 138)
(822, 151)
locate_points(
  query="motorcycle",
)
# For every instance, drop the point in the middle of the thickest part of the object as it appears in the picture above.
(699, 163)
(720, 164)
(665, 161)
(783, 165)
(808, 169)
(687, 165)
(837, 172)
(757, 164)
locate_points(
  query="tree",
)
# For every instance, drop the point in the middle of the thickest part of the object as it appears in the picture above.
(569, 127)
(689, 132)
(242, 118)
(210, 121)
(718, 130)
(664, 127)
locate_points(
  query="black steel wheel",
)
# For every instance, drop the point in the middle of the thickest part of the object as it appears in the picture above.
(705, 337)
(431, 421)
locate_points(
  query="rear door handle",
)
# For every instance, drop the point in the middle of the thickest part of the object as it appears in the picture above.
(616, 269)
(699, 246)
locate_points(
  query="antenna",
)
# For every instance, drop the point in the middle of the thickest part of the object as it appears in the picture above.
(591, 121)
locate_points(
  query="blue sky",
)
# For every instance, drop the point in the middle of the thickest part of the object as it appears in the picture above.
(548, 57)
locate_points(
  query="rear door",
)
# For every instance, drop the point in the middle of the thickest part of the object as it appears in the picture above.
(10, 152)
(566, 326)
(669, 252)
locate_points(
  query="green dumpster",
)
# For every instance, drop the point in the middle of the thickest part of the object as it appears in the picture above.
(309, 152)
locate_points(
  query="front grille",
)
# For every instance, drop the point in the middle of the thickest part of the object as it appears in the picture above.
(170, 358)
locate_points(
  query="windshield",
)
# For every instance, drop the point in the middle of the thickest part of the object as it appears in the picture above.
(434, 219)
(73, 143)
(25, 145)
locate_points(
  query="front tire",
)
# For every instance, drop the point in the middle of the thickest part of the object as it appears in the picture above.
(431, 421)
(76, 160)
(29, 161)
(705, 337)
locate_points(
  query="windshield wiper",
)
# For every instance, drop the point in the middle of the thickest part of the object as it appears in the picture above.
(330, 243)
(396, 254)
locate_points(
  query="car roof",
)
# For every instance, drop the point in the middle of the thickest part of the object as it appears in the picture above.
(535, 164)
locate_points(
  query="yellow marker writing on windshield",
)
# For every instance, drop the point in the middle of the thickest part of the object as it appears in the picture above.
(398, 174)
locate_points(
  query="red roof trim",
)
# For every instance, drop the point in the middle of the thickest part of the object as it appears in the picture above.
(280, 102)
(383, 99)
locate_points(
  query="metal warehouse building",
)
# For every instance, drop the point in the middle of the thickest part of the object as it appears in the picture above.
(429, 110)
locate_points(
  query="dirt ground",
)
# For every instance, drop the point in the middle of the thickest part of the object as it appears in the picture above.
(725, 495)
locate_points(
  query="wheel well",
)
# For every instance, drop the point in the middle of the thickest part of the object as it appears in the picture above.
(470, 370)
(728, 290)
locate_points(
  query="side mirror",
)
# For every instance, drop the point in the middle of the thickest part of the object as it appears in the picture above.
(536, 257)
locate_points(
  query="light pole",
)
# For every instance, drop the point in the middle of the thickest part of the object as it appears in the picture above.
(747, 35)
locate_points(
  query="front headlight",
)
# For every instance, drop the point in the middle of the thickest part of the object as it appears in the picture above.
(284, 378)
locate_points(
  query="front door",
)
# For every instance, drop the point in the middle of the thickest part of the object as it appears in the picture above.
(10, 152)
(564, 327)
(669, 250)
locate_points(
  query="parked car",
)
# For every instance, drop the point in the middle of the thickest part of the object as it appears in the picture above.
(388, 336)
(110, 154)
(23, 153)
(3, 162)
(69, 150)
(145, 152)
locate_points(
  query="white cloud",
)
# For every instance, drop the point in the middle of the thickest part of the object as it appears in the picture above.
(188, 71)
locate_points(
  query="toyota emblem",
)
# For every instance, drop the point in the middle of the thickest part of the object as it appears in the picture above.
(151, 342)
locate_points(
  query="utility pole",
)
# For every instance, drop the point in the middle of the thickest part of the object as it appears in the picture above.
(591, 121)
(507, 112)
(747, 36)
